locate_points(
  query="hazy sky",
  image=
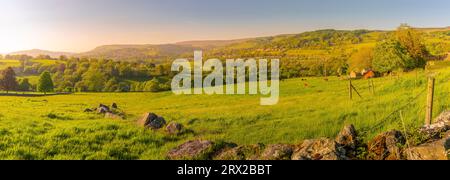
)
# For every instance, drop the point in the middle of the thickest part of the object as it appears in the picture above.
(80, 25)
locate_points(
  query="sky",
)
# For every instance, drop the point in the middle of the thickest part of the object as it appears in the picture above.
(81, 25)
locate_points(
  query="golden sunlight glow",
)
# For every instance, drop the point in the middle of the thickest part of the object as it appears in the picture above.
(11, 41)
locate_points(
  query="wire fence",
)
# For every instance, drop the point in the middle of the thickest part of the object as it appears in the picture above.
(399, 102)
(413, 112)
(394, 115)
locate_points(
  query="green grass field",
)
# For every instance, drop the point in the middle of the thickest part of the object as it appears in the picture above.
(9, 63)
(16, 63)
(55, 127)
(46, 61)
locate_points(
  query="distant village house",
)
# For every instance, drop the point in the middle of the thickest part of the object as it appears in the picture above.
(366, 74)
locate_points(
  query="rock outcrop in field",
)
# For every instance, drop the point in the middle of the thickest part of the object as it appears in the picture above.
(174, 128)
(152, 121)
(113, 112)
(198, 149)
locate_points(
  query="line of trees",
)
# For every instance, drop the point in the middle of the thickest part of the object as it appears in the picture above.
(24, 57)
(95, 75)
(92, 75)
(8, 82)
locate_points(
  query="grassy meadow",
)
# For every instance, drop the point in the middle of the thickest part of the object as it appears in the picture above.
(55, 127)
(8, 63)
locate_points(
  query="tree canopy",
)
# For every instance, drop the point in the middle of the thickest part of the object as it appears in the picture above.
(45, 83)
(412, 41)
(8, 80)
(402, 50)
(24, 85)
(389, 56)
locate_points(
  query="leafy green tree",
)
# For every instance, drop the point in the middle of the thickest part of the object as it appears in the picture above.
(8, 80)
(66, 86)
(62, 58)
(94, 80)
(111, 85)
(390, 55)
(125, 70)
(137, 87)
(80, 87)
(61, 67)
(165, 86)
(123, 87)
(43, 56)
(152, 85)
(24, 85)
(437, 48)
(45, 83)
(412, 41)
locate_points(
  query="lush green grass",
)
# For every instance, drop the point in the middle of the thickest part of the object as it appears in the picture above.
(16, 63)
(46, 61)
(32, 79)
(434, 65)
(9, 63)
(55, 127)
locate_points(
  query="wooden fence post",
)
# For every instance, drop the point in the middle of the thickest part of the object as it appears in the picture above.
(430, 96)
(371, 86)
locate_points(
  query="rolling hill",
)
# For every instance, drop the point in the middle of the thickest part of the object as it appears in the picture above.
(262, 46)
(210, 44)
(155, 52)
(313, 43)
(137, 52)
(37, 52)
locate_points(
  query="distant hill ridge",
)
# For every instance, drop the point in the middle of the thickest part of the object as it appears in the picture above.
(37, 52)
(275, 44)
